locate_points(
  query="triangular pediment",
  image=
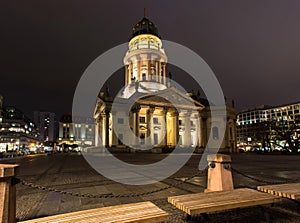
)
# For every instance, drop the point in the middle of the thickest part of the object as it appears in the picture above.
(170, 97)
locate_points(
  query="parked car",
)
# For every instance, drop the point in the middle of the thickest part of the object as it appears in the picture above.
(48, 149)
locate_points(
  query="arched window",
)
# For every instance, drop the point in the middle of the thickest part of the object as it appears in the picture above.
(215, 132)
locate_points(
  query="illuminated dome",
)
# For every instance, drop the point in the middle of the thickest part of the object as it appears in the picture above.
(145, 61)
(145, 26)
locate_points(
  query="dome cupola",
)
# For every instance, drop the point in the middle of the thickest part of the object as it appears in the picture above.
(145, 26)
(145, 61)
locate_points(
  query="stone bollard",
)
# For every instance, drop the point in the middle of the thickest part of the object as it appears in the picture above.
(219, 173)
(8, 193)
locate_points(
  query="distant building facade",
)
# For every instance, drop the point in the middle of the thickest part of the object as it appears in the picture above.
(17, 131)
(252, 123)
(46, 123)
(76, 130)
(153, 119)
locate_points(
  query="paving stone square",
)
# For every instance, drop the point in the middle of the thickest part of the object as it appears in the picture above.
(70, 172)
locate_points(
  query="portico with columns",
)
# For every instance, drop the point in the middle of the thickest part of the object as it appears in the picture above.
(158, 126)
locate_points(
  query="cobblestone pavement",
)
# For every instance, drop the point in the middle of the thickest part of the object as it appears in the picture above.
(70, 172)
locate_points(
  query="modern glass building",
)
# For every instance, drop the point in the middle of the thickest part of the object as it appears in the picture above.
(17, 131)
(254, 125)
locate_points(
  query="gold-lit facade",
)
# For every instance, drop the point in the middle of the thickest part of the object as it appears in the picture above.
(154, 119)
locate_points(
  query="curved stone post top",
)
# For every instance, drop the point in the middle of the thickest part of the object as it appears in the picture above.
(219, 158)
(8, 170)
(8, 193)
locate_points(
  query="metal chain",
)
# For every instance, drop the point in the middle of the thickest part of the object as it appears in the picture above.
(25, 183)
(201, 173)
(263, 181)
(108, 195)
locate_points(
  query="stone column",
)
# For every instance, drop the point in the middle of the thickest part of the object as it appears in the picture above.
(8, 193)
(156, 71)
(148, 74)
(130, 70)
(106, 128)
(134, 126)
(164, 128)
(159, 73)
(126, 75)
(103, 117)
(187, 129)
(150, 125)
(97, 133)
(114, 137)
(175, 130)
(136, 111)
(176, 127)
(100, 136)
(164, 73)
(138, 70)
(198, 128)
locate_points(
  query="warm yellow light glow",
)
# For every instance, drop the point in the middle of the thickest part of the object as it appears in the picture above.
(145, 41)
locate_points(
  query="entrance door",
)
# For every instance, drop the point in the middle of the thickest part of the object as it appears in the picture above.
(155, 139)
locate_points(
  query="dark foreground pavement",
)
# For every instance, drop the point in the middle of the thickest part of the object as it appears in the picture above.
(70, 172)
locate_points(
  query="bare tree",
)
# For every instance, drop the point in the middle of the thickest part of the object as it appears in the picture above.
(285, 134)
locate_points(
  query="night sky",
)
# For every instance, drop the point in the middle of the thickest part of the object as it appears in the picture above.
(252, 46)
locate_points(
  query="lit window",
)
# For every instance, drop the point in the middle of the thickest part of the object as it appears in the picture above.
(142, 119)
(215, 131)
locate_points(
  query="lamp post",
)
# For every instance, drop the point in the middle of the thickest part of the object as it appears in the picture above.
(249, 141)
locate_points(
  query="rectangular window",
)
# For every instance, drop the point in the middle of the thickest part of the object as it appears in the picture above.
(120, 121)
(155, 120)
(179, 122)
(142, 119)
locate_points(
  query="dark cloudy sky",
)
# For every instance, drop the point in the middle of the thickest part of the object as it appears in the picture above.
(252, 46)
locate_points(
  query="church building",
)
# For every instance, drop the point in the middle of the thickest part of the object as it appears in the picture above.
(164, 116)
